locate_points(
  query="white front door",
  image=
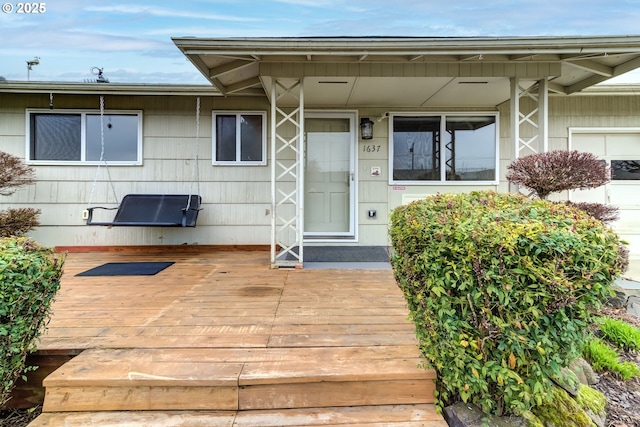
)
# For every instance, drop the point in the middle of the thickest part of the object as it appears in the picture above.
(329, 175)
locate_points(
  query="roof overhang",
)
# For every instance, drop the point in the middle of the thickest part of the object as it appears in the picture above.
(405, 71)
(106, 88)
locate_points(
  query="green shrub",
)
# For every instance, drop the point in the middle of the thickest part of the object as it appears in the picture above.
(603, 357)
(621, 334)
(500, 288)
(29, 280)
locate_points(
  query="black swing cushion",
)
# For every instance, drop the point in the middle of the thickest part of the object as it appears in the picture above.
(154, 210)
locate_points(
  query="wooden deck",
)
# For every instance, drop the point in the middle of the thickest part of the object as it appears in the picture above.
(219, 338)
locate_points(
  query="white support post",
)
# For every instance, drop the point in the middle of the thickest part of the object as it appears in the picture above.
(514, 124)
(287, 174)
(543, 113)
(532, 122)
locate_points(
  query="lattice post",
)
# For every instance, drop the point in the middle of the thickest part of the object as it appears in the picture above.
(533, 122)
(287, 174)
(530, 119)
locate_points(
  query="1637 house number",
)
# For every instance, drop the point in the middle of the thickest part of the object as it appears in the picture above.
(370, 148)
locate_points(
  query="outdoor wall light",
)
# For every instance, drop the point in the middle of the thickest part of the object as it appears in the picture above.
(366, 128)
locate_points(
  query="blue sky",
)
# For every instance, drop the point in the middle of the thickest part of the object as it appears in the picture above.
(131, 40)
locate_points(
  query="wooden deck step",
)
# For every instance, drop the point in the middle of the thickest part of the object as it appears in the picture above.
(238, 379)
(423, 415)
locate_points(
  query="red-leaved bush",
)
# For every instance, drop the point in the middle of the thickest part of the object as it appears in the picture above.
(14, 174)
(559, 170)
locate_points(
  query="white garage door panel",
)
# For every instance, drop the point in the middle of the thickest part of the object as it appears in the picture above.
(621, 146)
(595, 195)
(590, 143)
(629, 220)
(625, 194)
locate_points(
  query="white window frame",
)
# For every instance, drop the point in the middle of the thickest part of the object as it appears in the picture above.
(83, 134)
(238, 161)
(443, 117)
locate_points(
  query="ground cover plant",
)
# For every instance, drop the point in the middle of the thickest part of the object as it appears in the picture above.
(603, 357)
(622, 334)
(501, 289)
(623, 396)
(29, 280)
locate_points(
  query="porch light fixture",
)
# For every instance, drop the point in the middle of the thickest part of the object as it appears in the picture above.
(366, 128)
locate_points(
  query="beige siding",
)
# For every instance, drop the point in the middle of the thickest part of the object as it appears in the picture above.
(372, 190)
(237, 200)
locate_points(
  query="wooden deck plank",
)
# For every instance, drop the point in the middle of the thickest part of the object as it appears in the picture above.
(338, 370)
(383, 415)
(147, 342)
(326, 394)
(365, 416)
(95, 367)
(329, 340)
(133, 398)
(242, 355)
(133, 419)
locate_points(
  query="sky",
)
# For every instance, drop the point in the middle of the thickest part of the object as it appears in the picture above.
(131, 40)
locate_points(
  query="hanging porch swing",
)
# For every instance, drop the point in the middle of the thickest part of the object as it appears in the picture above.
(150, 210)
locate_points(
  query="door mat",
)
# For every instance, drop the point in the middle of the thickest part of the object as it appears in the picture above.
(127, 269)
(344, 254)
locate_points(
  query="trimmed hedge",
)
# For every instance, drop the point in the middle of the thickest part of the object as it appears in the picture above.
(500, 288)
(29, 280)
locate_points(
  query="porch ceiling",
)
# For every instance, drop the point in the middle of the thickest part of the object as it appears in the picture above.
(409, 72)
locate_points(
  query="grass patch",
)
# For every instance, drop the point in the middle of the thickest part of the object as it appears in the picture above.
(621, 334)
(605, 358)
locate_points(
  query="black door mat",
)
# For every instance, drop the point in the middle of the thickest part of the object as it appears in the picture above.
(344, 254)
(127, 269)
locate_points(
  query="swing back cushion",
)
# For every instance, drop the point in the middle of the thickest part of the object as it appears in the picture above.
(154, 210)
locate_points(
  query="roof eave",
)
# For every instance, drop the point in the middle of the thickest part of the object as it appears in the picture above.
(408, 45)
(10, 86)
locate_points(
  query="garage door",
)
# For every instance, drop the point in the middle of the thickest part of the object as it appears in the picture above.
(621, 151)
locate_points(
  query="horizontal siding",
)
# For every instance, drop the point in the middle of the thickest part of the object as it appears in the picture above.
(212, 214)
(237, 200)
(132, 236)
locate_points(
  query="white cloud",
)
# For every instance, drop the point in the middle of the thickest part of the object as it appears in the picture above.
(171, 13)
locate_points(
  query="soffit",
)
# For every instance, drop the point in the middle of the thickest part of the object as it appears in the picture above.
(460, 71)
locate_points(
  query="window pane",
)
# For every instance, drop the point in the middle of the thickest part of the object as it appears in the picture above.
(416, 154)
(120, 137)
(55, 137)
(251, 138)
(226, 138)
(625, 169)
(470, 148)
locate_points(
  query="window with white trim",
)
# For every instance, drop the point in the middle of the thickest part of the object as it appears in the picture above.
(429, 148)
(78, 137)
(239, 138)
